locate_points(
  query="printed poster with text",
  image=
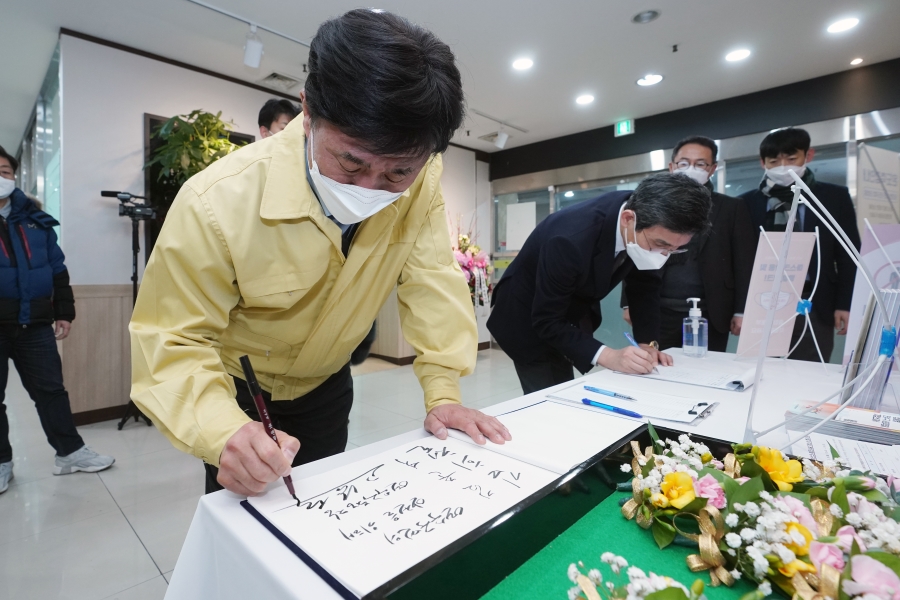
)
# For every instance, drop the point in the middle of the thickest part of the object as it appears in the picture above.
(759, 298)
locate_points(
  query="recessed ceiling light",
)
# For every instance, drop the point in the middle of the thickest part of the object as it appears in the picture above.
(569, 194)
(584, 99)
(522, 64)
(649, 79)
(645, 17)
(842, 25)
(736, 55)
(856, 61)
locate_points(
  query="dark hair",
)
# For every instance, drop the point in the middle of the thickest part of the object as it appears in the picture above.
(274, 108)
(673, 201)
(700, 141)
(387, 82)
(784, 141)
(12, 160)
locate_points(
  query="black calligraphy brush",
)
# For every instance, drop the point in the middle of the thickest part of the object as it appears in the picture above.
(256, 392)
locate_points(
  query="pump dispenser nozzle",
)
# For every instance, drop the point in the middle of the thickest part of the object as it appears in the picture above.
(695, 310)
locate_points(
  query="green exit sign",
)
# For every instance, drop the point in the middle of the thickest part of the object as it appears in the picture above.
(625, 127)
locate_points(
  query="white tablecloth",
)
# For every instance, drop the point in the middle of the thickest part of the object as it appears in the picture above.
(229, 555)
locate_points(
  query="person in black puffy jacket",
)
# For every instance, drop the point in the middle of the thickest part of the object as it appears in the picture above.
(34, 294)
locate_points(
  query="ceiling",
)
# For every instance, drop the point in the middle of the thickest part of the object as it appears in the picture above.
(577, 46)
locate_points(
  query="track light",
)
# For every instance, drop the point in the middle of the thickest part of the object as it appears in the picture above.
(253, 49)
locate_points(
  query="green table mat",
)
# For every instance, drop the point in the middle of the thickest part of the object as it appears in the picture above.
(603, 529)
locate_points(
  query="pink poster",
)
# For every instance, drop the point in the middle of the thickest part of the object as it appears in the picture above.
(881, 269)
(759, 298)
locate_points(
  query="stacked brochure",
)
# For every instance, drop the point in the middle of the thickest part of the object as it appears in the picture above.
(365, 527)
(862, 456)
(851, 423)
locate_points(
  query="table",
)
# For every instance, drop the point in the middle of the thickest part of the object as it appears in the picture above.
(228, 555)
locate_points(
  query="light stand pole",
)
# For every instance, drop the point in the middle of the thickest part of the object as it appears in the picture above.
(137, 212)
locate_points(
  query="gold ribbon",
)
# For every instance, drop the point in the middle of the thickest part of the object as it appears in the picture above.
(646, 456)
(630, 508)
(712, 529)
(823, 517)
(809, 587)
(732, 466)
(588, 587)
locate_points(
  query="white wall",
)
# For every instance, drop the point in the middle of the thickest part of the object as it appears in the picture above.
(105, 93)
(467, 192)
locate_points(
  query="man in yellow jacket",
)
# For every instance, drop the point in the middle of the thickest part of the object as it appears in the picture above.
(286, 250)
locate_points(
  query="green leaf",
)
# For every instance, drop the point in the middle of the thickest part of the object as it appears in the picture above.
(839, 497)
(749, 490)
(672, 593)
(695, 505)
(873, 496)
(663, 533)
(653, 435)
(834, 453)
(854, 548)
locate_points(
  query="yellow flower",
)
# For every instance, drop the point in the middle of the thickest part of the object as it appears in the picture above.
(659, 500)
(678, 488)
(796, 566)
(782, 473)
(793, 545)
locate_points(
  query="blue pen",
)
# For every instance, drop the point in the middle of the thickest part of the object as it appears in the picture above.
(631, 341)
(615, 409)
(608, 393)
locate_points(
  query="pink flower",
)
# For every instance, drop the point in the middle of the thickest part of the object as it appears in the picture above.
(872, 577)
(801, 513)
(741, 480)
(708, 487)
(863, 507)
(826, 554)
(846, 535)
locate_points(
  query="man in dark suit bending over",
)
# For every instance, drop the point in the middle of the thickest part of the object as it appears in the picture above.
(547, 304)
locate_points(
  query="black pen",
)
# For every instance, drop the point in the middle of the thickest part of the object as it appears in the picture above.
(256, 392)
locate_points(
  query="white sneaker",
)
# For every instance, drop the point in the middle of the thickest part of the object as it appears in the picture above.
(6, 475)
(84, 459)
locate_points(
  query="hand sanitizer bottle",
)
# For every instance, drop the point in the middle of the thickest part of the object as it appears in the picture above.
(695, 332)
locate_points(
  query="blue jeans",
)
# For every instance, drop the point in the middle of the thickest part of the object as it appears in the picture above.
(33, 352)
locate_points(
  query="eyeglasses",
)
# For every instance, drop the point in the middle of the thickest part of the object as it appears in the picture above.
(686, 164)
(664, 251)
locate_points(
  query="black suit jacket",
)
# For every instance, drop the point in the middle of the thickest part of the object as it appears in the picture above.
(548, 301)
(726, 253)
(838, 272)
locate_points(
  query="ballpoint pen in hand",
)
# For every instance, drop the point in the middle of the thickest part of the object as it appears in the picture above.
(631, 341)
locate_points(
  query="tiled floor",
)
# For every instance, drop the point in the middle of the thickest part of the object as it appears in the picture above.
(117, 534)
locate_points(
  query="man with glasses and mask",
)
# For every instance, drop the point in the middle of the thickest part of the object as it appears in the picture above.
(286, 250)
(718, 264)
(789, 150)
(546, 306)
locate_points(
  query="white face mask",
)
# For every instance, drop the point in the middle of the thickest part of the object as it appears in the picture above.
(6, 187)
(698, 175)
(781, 175)
(348, 203)
(644, 260)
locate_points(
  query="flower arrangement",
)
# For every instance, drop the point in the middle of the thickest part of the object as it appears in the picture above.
(807, 529)
(640, 586)
(475, 267)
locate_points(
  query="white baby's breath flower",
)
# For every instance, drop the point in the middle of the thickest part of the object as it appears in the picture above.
(635, 573)
(731, 520)
(610, 586)
(733, 540)
(595, 576)
(752, 509)
(854, 519)
(608, 557)
(836, 511)
(765, 587)
(748, 534)
(785, 554)
(573, 573)
(738, 507)
(730, 551)
(765, 496)
(736, 574)
(626, 468)
(574, 593)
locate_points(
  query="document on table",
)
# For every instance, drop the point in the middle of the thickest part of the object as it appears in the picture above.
(737, 380)
(370, 521)
(864, 456)
(651, 405)
(577, 434)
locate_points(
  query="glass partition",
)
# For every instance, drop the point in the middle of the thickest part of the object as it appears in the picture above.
(541, 198)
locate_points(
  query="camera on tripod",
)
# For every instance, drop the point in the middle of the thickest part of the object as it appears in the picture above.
(129, 208)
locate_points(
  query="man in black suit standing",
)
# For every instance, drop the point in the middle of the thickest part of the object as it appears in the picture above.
(789, 150)
(717, 266)
(547, 304)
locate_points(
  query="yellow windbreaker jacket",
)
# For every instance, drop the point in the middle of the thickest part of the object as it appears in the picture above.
(247, 263)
